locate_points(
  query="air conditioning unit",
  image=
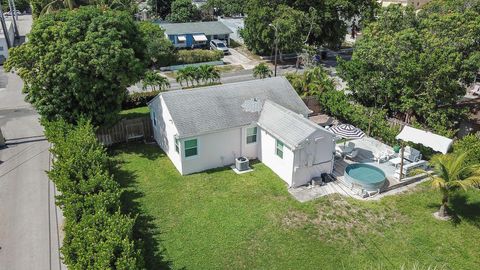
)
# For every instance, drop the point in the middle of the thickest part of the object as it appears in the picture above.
(242, 164)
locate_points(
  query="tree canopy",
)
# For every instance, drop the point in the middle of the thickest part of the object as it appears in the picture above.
(40, 7)
(79, 63)
(416, 65)
(318, 22)
(159, 50)
(226, 7)
(183, 11)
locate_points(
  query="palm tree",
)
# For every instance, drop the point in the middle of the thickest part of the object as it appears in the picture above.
(312, 82)
(182, 76)
(205, 72)
(262, 71)
(450, 174)
(191, 74)
(154, 80)
(215, 74)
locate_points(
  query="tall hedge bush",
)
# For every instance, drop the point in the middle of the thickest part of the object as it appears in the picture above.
(97, 234)
(198, 56)
(372, 121)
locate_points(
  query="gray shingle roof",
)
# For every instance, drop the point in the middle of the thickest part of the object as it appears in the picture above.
(207, 28)
(209, 109)
(288, 126)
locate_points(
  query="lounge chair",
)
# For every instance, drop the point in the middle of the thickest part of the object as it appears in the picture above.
(421, 164)
(383, 156)
(352, 154)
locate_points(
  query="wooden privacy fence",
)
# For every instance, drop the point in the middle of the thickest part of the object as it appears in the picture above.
(126, 130)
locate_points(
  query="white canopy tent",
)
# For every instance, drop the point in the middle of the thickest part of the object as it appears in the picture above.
(434, 141)
(414, 135)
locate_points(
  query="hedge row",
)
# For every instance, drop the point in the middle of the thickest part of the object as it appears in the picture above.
(97, 234)
(198, 56)
(372, 121)
(139, 99)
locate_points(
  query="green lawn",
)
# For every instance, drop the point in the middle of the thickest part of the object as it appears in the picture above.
(221, 220)
(135, 112)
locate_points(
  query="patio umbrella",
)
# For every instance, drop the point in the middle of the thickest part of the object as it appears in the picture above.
(347, 131)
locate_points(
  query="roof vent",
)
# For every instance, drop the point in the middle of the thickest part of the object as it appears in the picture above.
(252, 105)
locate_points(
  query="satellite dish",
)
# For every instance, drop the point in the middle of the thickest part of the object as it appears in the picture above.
(252, 105)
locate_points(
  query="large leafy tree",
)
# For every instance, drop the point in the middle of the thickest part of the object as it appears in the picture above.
(226, 7)
(159, 50)
(323, 21)
(416, 66)
(160, 8)
(183, 11)
(40, 7)
(79, 63)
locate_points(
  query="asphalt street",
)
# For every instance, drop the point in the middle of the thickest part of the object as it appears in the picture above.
(29, 219)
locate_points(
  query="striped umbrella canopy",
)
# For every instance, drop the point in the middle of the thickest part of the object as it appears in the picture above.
(347, 131)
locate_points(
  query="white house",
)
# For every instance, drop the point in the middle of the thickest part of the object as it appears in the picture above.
(210, 127)
(3, 41)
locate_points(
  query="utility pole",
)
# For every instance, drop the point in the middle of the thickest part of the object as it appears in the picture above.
(276, 47)
(13, 12)
(4, 28)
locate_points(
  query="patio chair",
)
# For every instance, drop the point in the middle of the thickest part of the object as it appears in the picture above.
(412, 154)
(352, 154)
(383, 156)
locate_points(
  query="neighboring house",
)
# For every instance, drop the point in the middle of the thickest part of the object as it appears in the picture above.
(3, 41)
(210, 127)
(196, 34)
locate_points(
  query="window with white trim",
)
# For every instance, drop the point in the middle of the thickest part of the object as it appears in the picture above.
(191, 147)
(279, 148)
(177, 145)
(251, 135)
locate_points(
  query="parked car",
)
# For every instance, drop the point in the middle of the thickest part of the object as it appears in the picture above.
(10, 14)
(217, 44)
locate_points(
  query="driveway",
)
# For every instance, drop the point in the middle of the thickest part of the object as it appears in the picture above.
(236, 58)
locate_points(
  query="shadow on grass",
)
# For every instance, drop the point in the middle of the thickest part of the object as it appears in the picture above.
(149, 151)
(145, 232)
(464, 210)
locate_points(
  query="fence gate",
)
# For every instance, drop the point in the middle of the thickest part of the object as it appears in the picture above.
(125, 130)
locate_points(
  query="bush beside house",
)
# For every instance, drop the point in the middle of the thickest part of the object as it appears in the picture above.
(97, 234)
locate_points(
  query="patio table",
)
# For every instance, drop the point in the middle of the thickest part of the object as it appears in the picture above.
(396, 161)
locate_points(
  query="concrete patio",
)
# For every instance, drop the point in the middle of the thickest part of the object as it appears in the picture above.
(366, 146)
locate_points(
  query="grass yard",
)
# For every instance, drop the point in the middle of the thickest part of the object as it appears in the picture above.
(135, 112)
(221, 220)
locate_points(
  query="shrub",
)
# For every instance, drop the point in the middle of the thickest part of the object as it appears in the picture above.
(100, 241)
(139, 99)
(471, 145)
(97, 234)
(372, 121)
(198, 56)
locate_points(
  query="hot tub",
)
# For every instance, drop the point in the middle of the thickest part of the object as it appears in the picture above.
(371, 178)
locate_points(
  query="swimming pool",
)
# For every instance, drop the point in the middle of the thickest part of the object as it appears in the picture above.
(368, 176)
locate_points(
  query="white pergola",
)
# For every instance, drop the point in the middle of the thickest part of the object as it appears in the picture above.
(436, 142)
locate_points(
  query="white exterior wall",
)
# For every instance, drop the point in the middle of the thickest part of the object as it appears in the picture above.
(164, 131)
(214, 150)
(283, 167)
(250, 150)
(315, 157)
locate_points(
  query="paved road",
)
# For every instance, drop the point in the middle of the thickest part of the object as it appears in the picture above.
(29, 238)
(29, 235)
